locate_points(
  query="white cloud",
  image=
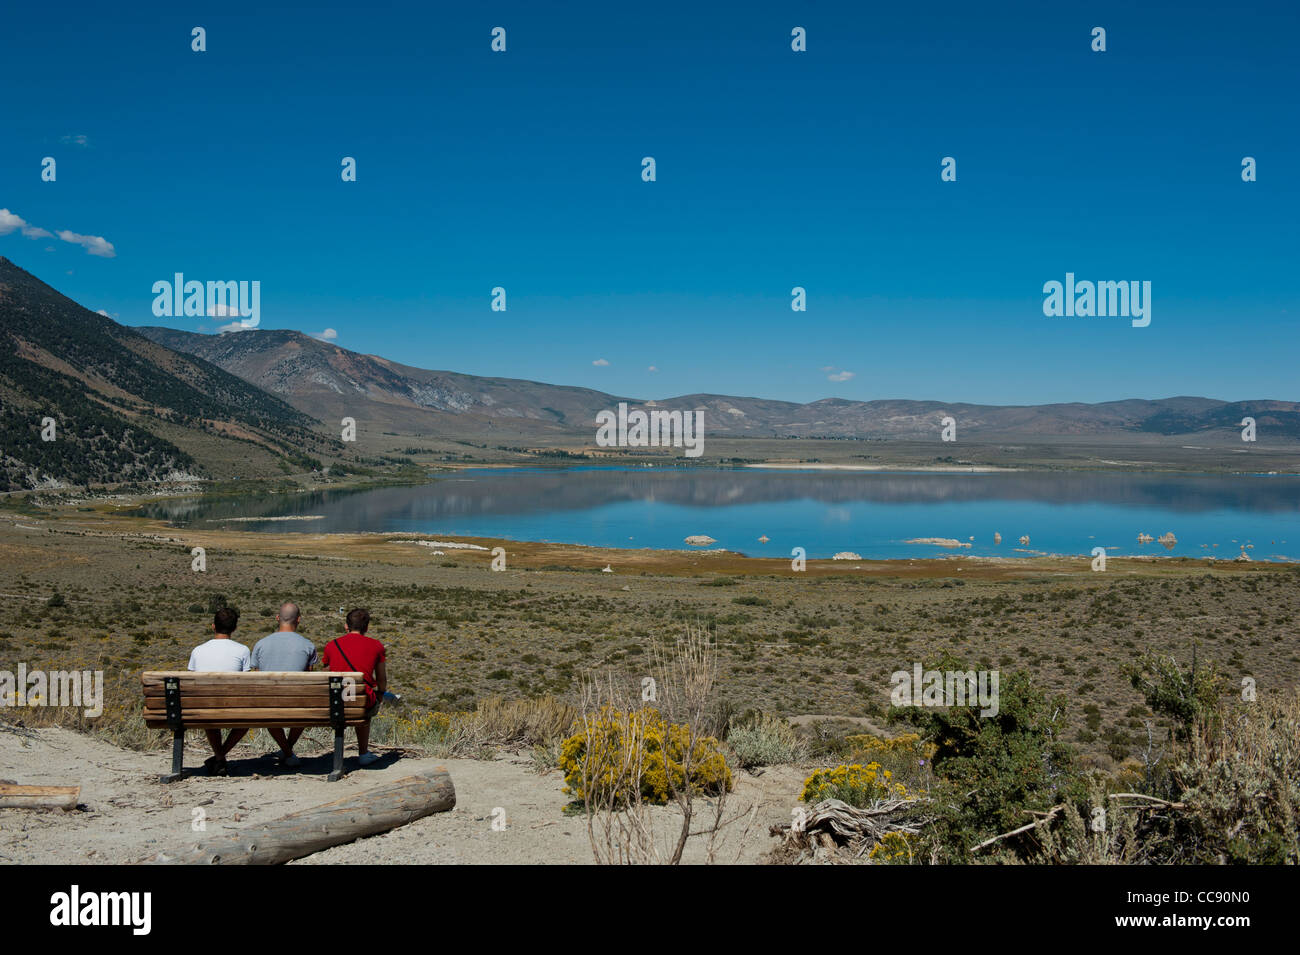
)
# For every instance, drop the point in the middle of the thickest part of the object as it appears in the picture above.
(652, 368)
(828, 367)
(840, 376)
(10, 222)
(100, 311)
(328, 335)
(600, 363)
(80, 139)
(232, 327)
(94, 244)
(222, 310)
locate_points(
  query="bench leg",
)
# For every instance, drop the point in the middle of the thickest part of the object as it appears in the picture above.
(178, 757)
(338, 756)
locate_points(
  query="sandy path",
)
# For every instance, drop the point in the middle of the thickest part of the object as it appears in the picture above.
(128, 814)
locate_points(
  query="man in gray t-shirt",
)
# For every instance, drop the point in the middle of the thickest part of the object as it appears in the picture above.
(285, 651)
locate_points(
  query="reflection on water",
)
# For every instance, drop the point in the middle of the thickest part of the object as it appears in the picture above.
(869, 513)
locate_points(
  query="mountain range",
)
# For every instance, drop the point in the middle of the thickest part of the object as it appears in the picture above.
(86, 400)
(327, 381)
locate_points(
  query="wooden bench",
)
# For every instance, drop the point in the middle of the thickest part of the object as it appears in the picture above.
(184, 700)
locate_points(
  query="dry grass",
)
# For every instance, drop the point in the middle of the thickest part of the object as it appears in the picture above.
(460, 635)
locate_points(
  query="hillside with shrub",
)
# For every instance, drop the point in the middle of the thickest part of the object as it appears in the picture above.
(123, 408)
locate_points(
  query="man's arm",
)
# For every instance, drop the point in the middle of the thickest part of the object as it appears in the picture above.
(381, 677)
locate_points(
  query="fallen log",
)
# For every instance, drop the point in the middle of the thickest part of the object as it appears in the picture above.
(39, 797)
(335, 823)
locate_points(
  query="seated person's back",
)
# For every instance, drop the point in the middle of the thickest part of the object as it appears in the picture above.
(286, 650)
(221, 654)
(355, 652)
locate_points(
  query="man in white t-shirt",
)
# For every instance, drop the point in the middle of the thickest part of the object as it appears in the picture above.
(221, 654)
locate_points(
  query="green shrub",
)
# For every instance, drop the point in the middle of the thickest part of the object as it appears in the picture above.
(1184, 696)
(765, 741)
(989, 770)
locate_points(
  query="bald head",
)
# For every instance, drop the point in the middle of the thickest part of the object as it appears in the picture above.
(288, 615)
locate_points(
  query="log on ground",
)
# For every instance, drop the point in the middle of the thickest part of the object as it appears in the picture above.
(38, 797)
(335, 823)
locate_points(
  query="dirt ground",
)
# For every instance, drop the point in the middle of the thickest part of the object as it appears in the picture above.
(127, 814)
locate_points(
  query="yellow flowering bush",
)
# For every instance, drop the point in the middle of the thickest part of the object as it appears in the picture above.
(855, 784)
(907, 745)
(614, 748)
(894, 848)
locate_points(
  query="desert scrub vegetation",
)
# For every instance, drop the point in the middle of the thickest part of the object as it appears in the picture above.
(624, 760)
(1224, 788)
(857, 812)
(992, 774)
(496, 723)
(859, 786)
(622, 756)
(764, 740)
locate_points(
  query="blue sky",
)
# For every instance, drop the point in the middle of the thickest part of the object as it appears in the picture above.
(775, 169)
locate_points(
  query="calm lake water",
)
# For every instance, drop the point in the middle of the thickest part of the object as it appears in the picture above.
(869, 513)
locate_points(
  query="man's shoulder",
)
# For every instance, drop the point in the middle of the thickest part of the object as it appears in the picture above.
(361, 640)
(215, 645)
(284, 636)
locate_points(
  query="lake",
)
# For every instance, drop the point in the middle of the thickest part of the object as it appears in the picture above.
(872, 514)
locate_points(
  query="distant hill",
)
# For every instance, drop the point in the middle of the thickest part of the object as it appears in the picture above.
(125, 408)
(327, 382)
(153, 404)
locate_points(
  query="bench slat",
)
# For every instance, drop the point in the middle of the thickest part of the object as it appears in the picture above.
(259, 723)
(304, 712)
(254, 713)
(235, 698)
(268, 678)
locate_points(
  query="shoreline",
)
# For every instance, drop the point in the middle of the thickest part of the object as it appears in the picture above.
(394, 548)
(957, 468)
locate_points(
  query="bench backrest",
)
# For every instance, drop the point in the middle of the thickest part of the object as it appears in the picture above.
(253, 699)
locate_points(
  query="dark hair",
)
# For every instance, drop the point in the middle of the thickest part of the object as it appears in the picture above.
(225, 620)
(359, 620)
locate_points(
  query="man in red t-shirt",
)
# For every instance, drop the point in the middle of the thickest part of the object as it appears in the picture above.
(354, 652)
